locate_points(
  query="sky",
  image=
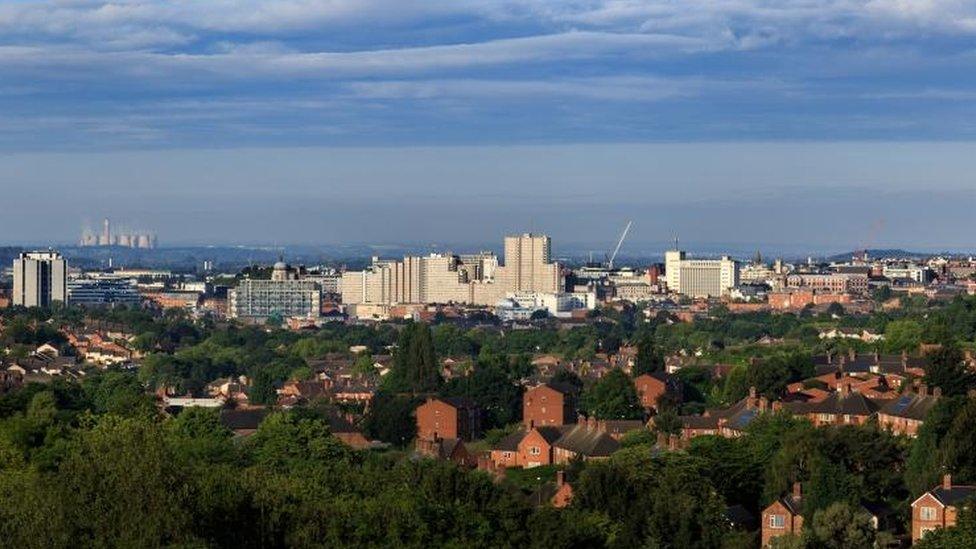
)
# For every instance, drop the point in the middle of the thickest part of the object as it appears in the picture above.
(827, 124)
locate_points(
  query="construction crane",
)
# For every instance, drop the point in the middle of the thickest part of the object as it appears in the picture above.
(623, 235)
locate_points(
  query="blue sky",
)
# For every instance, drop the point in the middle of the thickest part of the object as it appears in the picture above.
(126, 86)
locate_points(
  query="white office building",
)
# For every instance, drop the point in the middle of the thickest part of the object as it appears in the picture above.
(39, 279)
(700, 277)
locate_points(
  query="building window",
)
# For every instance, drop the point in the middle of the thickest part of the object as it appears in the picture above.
(777, 521)
(534, 450)
(926, 513)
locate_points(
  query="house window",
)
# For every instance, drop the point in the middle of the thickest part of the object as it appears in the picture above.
(926, 513)
(534, 450)
(826, 418)
(777, 521)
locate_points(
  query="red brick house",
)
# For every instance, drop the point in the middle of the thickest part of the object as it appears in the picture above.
(727, 422)
(550, 403)
(564, 491)
(842, 407)
(447, 449)
(783, 516)
(905, 414)
(651, 387)
(559, 494)
(547, 445)
(536, 446)
(938, 508)
(448, 418)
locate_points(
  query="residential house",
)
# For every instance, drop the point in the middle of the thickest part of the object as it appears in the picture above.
(651, 387)
(783, 516)
(905, 414)
(243, 421)
(586, 440)
(447, 449)
(547, 445)
(842, 407)
(727, 422)
(551, 403)
(448, 418)
(939, 507)
(559, 494)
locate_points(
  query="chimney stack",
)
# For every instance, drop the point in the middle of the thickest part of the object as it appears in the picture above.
(937, 392)
(752, 392)
(947, 481)
(673, 442)
(797, 490)
(852, 354)
(923, 389)
(560, 478)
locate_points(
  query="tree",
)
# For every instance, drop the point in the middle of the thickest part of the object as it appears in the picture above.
(903, 335)
(391, 418)
(948, 371)
(841, 526)
(613, 397)
(648, 360)
(415, 368)
(958, 447)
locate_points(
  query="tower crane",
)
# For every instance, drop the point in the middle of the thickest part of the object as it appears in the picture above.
(613, 255)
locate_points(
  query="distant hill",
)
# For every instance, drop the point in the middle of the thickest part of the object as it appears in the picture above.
(882, 254)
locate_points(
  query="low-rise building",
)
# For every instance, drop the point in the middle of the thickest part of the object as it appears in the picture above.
(784, 516)
(448, 418)
(939, 507)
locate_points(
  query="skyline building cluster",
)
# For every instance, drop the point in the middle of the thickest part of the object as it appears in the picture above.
(474, 279)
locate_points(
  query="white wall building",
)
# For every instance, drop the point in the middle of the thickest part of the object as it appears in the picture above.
(700, 277)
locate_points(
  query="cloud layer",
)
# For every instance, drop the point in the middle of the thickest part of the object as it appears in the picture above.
(82, 74)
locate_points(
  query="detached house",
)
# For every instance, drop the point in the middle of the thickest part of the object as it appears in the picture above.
(939, 507)
(651, 387)
(783, 516)
(550, 403)
(448, 418)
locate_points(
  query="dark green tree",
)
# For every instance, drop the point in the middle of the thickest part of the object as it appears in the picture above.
(948, 371)
(613, 397)
(649, 358)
